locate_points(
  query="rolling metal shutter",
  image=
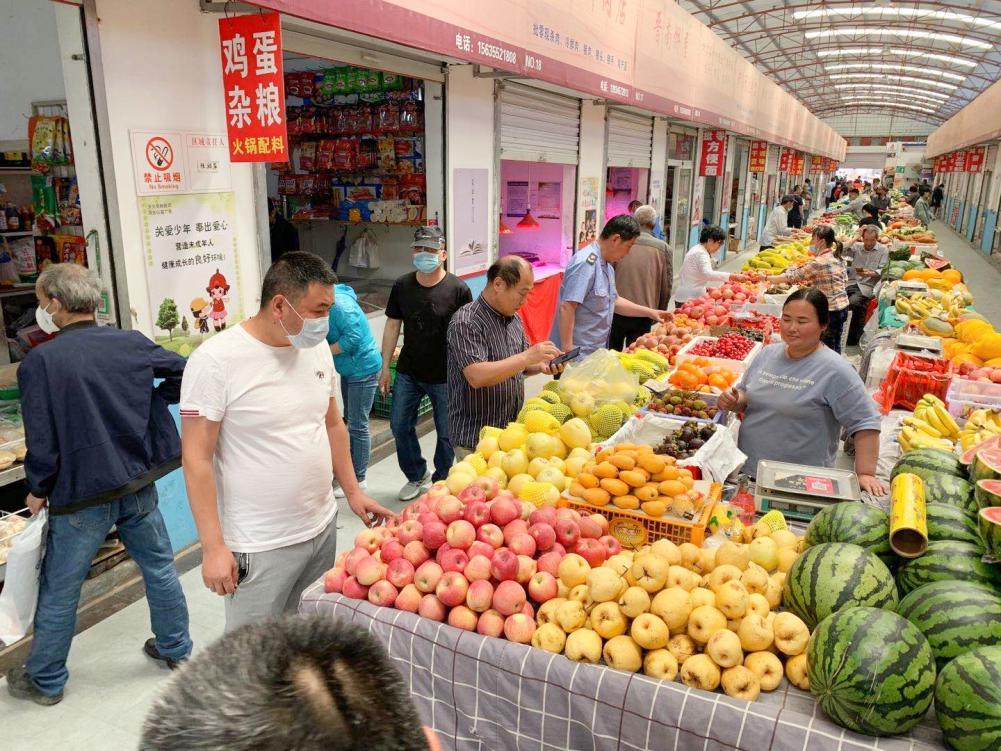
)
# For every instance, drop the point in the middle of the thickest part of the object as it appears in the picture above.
(630, 139)
(537, 126)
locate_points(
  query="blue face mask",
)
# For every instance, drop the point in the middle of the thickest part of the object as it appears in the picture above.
(314, 331)
(427, 262)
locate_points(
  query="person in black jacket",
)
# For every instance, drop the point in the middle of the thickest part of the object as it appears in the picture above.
(98, 436)
(284, 235)
(936, 198)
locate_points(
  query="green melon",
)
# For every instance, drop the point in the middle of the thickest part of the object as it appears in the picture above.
(857, 523)
(968, 700)
(987, 493)
(951, 523)
(987, 465)
(835, 575)
(946, 560)
(871, 671)
(990, 529)
(926, 463)
(951, 491)
(954, 616)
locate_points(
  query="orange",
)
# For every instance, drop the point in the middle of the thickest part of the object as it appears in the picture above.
(719, 380)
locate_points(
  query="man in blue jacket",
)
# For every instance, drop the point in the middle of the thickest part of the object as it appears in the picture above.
(357, 361)
(98, 436)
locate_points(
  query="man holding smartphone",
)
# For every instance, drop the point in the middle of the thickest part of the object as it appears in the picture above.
(869, 257)
(489, 355)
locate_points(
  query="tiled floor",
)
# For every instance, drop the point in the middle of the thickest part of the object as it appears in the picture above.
(112, 684)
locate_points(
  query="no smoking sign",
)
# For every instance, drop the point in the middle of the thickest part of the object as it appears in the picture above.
(159, 153)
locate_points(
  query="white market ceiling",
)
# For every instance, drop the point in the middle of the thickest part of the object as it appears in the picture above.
(901, 60)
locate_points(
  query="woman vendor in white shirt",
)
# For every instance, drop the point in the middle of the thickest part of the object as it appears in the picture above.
(697, 269)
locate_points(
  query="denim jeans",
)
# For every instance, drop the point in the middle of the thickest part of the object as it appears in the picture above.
(72, 542)
(832, 337)
(407, 394)
(358, 395)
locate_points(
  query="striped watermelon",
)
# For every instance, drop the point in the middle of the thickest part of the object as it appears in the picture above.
(990, 529)
(871, 671)
(987, 465)
(968, 700)
(955, 617)
(988, 493)
(854, 522)
(835, 575)
(946, 560)
(926, 463)
(951, 491)
(951, 523)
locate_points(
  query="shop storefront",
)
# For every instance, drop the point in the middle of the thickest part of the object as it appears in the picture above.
(629, 156)
(678, 189)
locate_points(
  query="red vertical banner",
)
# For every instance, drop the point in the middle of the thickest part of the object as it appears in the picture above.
(713, 154)
(759, 156)
(816, 164)
(254, 87)
(974, 160)
(796, 164)
(784, 160)
(958, 161)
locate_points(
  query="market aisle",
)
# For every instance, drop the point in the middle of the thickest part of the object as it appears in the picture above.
(112, 684)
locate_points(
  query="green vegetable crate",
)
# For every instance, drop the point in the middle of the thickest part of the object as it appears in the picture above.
(383, 405)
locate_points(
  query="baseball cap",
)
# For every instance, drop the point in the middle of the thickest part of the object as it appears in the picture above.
(787, 199)
(428, 237)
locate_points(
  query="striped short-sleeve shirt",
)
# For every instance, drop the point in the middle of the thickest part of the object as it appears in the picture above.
(478, 333)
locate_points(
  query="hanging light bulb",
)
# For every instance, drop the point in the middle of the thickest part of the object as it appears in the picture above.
(528, 221)
(504, 229)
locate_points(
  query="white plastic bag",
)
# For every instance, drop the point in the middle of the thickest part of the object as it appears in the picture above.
(365, 252)
(20, 589)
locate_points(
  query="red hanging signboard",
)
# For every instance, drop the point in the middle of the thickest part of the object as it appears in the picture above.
(796, 164)
(816, 164)
(713, 153)
(958, 161)
(759, 156)
(784, 161)
(974, 160)
(254, 87)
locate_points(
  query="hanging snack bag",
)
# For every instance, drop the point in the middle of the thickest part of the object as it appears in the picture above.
(42, 141)
(345, 155)
(307, 156)
(71, 249)
(325, 154)
(392, 81)
(388, 117)
(292, 81)
(387, 154)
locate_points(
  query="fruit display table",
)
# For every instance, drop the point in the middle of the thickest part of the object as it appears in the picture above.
(484, 693)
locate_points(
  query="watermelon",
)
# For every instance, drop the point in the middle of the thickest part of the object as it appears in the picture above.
(926, 463)
(987, 465)
(968, 700)
(951, 523)
(971, 453)
(854, 522)
(987, 493)
(955, 617)
(835, 575)
(946, 560)
(951, 491)
(990, 529)
(871, 671)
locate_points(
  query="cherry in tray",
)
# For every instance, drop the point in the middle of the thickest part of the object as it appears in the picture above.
(729, 346)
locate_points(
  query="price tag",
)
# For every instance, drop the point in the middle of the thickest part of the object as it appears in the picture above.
(819, 485)
(657, 387)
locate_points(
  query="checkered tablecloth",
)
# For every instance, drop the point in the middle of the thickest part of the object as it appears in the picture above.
(486, 694)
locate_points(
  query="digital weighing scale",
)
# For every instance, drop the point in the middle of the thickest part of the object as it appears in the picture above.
(801, 492)
(919, 344)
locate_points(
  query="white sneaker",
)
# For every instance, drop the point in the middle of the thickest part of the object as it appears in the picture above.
(339, 491)
(413, 489)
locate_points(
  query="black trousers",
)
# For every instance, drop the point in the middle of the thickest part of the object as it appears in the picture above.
(626, 330)
(858, 304)
(832, 337)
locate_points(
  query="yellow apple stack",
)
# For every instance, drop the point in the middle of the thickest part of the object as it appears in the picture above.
(707, 614)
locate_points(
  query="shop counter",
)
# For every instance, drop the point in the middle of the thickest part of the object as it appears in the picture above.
(489, 694)
(539, 310)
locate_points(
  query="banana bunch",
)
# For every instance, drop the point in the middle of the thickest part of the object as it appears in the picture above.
(980, 425)
(930, 426)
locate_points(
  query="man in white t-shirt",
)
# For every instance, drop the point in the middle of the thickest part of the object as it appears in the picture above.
(262, 439)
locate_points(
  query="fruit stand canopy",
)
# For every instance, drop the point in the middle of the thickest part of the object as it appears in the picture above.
(839, 56)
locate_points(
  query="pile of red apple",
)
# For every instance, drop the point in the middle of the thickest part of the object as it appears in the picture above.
(713, 309)
(481, 561)
(981, 373)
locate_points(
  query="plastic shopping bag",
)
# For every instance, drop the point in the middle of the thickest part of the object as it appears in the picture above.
(20, 589)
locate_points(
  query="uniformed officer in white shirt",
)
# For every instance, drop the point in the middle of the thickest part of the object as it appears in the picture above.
(587, 294)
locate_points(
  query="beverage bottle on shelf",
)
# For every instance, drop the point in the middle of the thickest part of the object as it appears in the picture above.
(13, 218)
(743, 501)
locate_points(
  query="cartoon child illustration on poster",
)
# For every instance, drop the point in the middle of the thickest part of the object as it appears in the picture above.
(218, 289)
(200, 309)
